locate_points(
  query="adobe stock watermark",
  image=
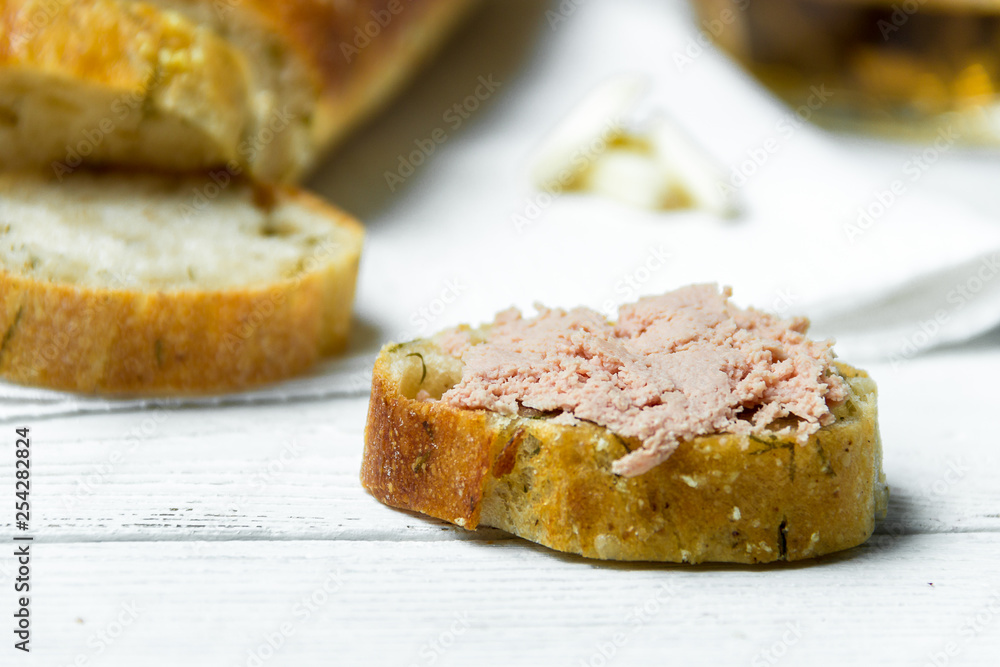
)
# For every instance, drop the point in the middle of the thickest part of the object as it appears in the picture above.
(265, 308)
(268, 472)
(900, 16)
(771, 655)
(972, 626)
(913, 170)
(432, 650)
(365, 34)
(40, 19)
(359, 381)
(249, 149)
(88, 484)
(636, 619)
(628, 288)
(101, 640)
(423, 321)
(785, 129)
(424, 317)
(92, 138)
(783, 301)
(566, 9)
(958, 297)
(953, 475)
(454, 117)
(305, 608)
(224, 8)
(94, 314)
(581, 160)
(889, 533)
(710, 28)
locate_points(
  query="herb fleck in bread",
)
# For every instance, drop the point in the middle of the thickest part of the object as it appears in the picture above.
(745, 498)
(139, 283)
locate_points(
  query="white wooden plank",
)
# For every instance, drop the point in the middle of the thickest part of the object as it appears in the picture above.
(290, 471)
(213, 603)
(336, 377)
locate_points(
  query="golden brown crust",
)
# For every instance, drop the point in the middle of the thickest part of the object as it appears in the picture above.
(324, 33)
(356, 73)
(420, 457)
(718, 498)
(95, 70)
(195, 84)
(178, 342)
(355, 89)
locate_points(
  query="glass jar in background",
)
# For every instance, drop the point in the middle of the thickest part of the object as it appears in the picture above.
(908, 68)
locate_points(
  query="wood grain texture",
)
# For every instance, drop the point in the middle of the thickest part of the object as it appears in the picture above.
(217, 521)
(332, 378)
(290, 471)
(382, 603)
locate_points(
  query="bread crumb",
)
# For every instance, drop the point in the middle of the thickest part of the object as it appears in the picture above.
(690, 481)
(736, 513)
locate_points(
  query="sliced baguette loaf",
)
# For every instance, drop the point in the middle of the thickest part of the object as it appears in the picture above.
(727, 498)
(141, 283)
(254, 86)
(103, 81)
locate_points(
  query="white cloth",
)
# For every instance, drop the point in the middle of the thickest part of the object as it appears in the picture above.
(444, 247)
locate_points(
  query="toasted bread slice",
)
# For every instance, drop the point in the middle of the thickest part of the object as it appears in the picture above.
(141, 283)
(727, 498)
(253, 86)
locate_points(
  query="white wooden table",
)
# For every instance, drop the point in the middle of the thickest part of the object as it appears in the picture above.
(241, 536)
(238, 534)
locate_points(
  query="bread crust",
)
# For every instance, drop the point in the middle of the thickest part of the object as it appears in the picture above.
(318, 30)
(165, 83)
(78, 81)
(187, 341)
(720, 498)
(352, 90)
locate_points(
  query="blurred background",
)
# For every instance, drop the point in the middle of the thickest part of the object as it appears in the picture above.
(835, 158)
(897, 68)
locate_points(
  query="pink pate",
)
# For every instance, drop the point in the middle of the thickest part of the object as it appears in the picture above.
(685, 364)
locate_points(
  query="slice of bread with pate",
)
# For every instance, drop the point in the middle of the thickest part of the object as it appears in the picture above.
(163, 284)
(689, 431)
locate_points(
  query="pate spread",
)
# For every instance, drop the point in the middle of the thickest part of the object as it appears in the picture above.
(674, 367)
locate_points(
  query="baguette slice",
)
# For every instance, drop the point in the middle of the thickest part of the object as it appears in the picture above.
(252, 86)
(142, 283)
(723, 498)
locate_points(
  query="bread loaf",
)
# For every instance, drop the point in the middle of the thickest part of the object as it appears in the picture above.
(253, 86)
(152, 284)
